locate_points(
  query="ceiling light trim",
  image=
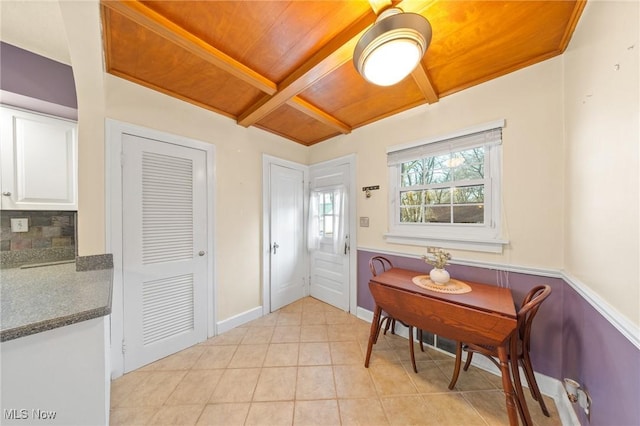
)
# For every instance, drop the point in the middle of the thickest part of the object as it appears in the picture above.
(392, 26)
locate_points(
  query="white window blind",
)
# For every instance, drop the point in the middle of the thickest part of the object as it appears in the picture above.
(459, 143)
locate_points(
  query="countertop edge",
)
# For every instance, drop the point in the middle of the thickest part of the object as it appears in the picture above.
(39, 327)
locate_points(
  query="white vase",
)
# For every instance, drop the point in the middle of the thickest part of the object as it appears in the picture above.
(439, 276)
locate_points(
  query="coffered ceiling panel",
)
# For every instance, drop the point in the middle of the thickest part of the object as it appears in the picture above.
(285, 66)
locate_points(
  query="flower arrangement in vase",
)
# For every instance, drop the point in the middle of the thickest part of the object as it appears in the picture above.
(440, 259)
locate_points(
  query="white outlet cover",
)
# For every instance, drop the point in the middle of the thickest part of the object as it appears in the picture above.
(19, 224)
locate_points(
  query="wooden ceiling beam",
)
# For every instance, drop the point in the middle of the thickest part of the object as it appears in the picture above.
(142, 15)
(421, 77)
(331, 56)
(318, 114)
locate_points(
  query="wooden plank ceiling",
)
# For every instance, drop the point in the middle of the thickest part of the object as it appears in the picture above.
(286, 66)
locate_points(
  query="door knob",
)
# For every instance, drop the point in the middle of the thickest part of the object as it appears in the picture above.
(201, 253)
(6, 194)
(275, 247)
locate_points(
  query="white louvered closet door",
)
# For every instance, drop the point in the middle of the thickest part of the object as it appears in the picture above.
(164, 247)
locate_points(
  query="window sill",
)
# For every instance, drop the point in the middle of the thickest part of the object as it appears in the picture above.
(481, 245)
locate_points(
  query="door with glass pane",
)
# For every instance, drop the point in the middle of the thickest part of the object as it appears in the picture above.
(328, 237)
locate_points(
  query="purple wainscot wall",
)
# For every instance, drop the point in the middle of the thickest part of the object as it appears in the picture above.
(570, 338)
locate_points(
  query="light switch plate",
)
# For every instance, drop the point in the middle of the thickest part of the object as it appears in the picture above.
(19, 224)
(364, 222)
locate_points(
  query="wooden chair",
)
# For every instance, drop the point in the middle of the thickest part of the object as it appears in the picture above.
(526, 314)
(382, 264)
(379, 264)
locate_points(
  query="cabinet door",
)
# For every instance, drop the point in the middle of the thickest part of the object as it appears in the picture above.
(39, 162)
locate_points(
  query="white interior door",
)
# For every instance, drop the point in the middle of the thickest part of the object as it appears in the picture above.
(329, 239)
(165, 244)
(287, 249)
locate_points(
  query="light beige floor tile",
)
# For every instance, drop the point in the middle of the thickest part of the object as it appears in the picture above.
(282, 355)
(229, 414)
(451, 408)
(195, 388)
(182, 360)
(124, 385)
(276, 384)
(313, 318)
(293, 307)
(382, 356)
(257, 335)
(183, 415)
(215, 357)
(309, 304)
(362, 412)
(290, 318)
(538, 417)
(336, 316)
(314, 354)
(473, 379)
(249, 356)
(268, 320)
(314, 333)
(404, 354)
(270, 413)
(236, 385)
(315, 383)
(490, 405)
(321, 413)
(353, 381)
(392, 379)
(231, 337)
(131, 415)
(429, 379)
(286, 334)
(407, 410)
(346, 353)
(340, 333)
(155, 390)
(287, 377)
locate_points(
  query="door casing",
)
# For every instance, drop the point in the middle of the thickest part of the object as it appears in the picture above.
(267, 160)
(114, 241)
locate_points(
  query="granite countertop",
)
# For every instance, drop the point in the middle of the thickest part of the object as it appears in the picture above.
(36, 299)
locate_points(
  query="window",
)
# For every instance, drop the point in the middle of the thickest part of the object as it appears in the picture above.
(446, 191)
(326, 227)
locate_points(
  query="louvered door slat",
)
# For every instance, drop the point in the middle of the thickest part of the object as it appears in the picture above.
(167, 307)
(167, 199)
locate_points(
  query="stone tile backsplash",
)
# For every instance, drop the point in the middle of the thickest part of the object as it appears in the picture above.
(51, 237)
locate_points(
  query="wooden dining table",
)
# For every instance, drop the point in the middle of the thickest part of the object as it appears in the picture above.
(485, 315)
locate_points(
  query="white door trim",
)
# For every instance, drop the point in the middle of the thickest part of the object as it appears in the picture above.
(267, 161)
(113, 218)
(353, 230)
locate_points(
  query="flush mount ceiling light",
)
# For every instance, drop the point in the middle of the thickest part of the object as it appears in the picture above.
(392, 48)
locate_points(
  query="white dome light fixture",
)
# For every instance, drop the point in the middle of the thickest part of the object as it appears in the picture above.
(392, 48)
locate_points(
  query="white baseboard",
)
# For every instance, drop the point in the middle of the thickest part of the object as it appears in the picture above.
(237, 320)
(549, 386)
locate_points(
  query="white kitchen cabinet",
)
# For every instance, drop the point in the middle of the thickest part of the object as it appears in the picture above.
(39, 156)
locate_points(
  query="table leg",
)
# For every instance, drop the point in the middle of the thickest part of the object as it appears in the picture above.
(373, 334)
(507, 386)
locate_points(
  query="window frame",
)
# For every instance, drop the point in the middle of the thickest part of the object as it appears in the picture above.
(486, 237)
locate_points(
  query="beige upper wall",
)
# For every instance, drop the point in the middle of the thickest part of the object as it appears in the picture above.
(536, 162)
(602, 99)
(530, 101)
(238, 162)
